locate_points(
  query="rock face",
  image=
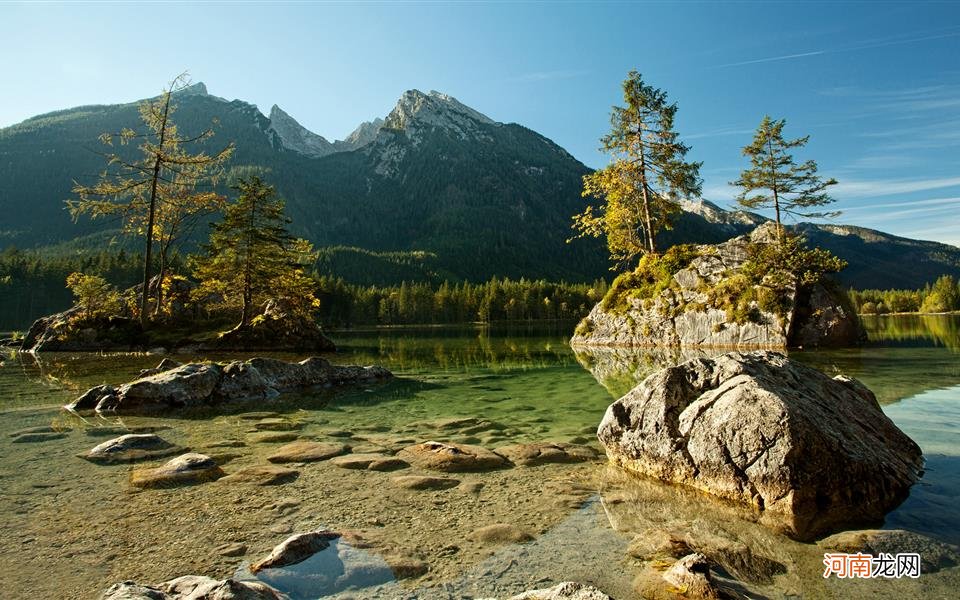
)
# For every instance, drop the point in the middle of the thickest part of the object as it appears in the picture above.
(277, 327)
(196, 384)
(761, 429)
(685, 315)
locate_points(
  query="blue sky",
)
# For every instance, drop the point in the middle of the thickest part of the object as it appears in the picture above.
(875, 84)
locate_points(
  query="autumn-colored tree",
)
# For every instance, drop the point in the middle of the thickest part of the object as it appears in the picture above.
(251, 257)
(639, 190)
(94, 296)
(157, 191)
(775, 181)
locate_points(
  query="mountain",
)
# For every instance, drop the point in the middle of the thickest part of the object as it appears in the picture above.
(434, 190)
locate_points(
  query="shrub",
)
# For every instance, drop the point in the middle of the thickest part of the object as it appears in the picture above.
(95, 297)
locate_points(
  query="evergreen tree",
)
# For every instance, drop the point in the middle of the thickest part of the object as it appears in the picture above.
(775, 181)
(251, 257)
(146, 192)
(638, 190)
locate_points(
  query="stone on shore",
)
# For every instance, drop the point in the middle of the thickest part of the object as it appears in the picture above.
(691, 574)
(131, 447)
(193, 587)
(452, 458)
(815, 452)
(500, 533)
(424, 482)
(186, 469)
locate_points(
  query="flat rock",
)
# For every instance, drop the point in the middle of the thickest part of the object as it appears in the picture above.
(262, 475)
(276, 424)
(197, 587)
(813, 453)
(452, 458)
(296, 548)
(388, 463)
(306, 452)
(131, 447)
(568, 590)
(356, 461)
(406, 567)
(934, 555)
(235, 549)
(544, 453)
(424, 482)
(500, 533)
(186, 469)
(38, 429)
(272, 437)
(29, 438)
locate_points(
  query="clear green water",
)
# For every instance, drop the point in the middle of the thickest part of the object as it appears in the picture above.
(72, 528)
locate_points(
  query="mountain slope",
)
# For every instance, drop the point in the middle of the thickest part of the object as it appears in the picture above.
(434, 178)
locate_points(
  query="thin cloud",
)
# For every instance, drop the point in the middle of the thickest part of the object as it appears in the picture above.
(864, 45)
(905, 203)
(718, 133)
(890, 187)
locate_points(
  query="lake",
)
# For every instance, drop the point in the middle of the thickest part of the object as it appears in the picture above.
(72, 528)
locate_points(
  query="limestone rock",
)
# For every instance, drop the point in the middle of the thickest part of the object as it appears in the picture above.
(131, 447)
(500, 533)
(449, 457)
(129, 590)
(692, 575)
(758, 428)
(543, 453)
(306, 452)
(262, 475)
(388, 463)
(424, 482)
(272, 437)
(197, 587)
(185, 469)
(279, 326)
(356, 461)
(568, 590)
(934, 555)
(296, 548)
(682, 316)
(200, 384)
(40, 436)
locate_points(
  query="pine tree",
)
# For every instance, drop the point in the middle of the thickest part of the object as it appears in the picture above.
(775, 181)
(163, 180)
(251, 257)
(638, 190)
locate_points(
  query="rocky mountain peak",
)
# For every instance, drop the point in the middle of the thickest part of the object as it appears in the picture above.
(365, 133)
(196, 89)
(416, 111)
(296, 137)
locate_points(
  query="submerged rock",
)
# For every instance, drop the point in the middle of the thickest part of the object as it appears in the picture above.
(934, 555)
(451, 458)
(761, 429)
(185, 469)
(262, 475)
(568, 590)
(131, 447)
(296, 548)
(501, 533)
(691, 574)
(698, 306)
(307, 452)
(544, 453)
(425, 482)
(196, 384)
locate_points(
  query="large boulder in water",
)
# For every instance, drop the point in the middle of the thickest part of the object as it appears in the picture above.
(197, 384)
(71, 331)
(701, 297)
(759, 428)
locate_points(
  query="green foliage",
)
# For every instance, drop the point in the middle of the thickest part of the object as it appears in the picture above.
(95, 297)
(653, 275)
(789, 263)
(252, 258)
(942, 296)
(775, 181)
(638, 190)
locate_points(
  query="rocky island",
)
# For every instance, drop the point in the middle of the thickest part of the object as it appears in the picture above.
(719, 296)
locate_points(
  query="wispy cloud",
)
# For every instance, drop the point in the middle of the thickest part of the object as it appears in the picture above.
(890, 187)
(545, 76)
(909, 38)
(772, 59)
(719, 132)
(950, 202)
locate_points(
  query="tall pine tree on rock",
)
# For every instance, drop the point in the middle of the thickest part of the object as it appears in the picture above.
(775, 181)
(640, 188)
(251, 257)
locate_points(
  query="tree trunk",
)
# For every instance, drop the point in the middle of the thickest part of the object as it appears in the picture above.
(148, 253)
